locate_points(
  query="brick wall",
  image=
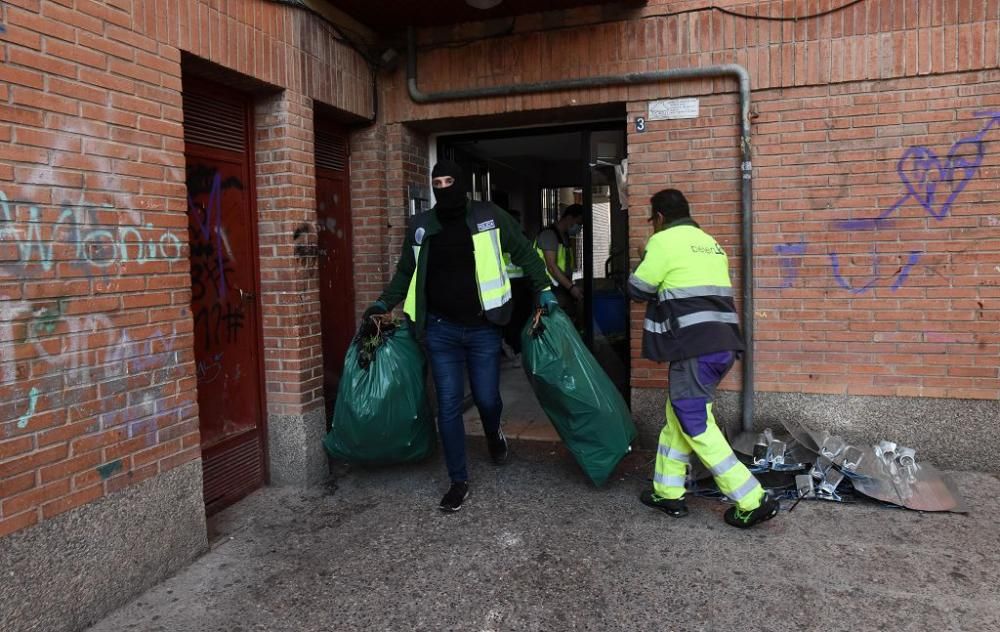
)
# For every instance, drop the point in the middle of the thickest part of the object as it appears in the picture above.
(385, 161)
(293, 361)
(406, 164)
(97, 380)
(847, 303)
(852, 111)
(368, 208)
(872, 40)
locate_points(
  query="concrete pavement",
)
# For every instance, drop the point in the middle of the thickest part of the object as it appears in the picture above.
(538, 548)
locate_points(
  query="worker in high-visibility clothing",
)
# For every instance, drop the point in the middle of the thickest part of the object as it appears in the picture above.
(556, 250)
(453, 282)
(691, 323)
(521, 295)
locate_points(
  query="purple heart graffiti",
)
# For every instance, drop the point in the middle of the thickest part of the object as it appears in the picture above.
(921, 172)
(934, 183)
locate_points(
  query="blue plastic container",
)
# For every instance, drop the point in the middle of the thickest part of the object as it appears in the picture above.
(610, 312)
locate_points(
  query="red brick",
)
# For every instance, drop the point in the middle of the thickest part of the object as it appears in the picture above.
(18, 19)
(132, 104)
(32, 461)
(72, 501)
(16, 484)
(34, 498)
(54, 13)
(75, 90)
(15, 447)
(106, 80)
(17, 523)
(68, 468)
(99, 440)
(67, 432)
(21, 76)
(47, 63)
(107, 46)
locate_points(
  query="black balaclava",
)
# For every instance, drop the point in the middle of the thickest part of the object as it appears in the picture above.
(450, 200)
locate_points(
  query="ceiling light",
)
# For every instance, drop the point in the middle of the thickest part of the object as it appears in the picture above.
(483, 4)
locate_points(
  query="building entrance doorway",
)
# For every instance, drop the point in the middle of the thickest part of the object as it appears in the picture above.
(535, 174)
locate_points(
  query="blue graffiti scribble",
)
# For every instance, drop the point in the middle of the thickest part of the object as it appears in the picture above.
(904, 272)
(208, 219)
(844, 283)
(790, 261)
(22, 422)
(899, 276)
(933, 184)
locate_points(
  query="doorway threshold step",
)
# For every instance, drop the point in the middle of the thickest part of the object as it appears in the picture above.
(519, 429)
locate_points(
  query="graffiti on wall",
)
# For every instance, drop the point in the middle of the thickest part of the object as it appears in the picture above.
(305, 252)
(934, 183)
(219, 315)
(211, 253)
(44, 342)
(221, 323)
(79, 349)
(83, 236)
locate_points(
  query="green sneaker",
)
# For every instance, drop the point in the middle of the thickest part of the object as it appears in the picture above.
(746, 519)
(675, 508)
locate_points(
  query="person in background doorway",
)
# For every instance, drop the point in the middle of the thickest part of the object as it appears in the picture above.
(691, 323)
(521, 293)
(554, 247)
(454, 287)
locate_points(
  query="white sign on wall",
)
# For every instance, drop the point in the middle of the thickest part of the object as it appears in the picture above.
(666, 109)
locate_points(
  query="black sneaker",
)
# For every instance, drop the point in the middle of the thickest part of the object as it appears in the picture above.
(675, 508)
(499, 450)
(456, 495)
(746, 519)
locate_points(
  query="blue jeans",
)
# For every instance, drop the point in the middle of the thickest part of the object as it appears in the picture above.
(449, 348)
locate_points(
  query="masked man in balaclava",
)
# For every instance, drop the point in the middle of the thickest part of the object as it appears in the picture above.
(453, 284)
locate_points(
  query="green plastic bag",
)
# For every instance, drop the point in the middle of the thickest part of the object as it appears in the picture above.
(382, 415)
(579, 398)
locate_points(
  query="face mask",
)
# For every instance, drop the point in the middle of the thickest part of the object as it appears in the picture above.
(450, 197)
(574, 230)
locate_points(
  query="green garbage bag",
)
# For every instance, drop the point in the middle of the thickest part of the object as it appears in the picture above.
(579, 398)
(382, 415)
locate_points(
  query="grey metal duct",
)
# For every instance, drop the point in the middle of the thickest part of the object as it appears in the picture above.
(635, 78)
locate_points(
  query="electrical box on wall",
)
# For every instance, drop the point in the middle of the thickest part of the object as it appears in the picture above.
(419, 198)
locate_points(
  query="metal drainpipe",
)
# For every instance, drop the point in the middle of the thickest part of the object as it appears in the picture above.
(676, 74)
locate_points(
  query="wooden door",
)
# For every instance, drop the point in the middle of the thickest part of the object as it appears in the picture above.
(336, 263)
(224, 291)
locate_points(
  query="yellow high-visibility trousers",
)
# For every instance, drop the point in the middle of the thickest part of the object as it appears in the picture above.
(691, 429)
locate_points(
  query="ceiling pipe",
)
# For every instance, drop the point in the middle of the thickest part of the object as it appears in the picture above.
(638, 78)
